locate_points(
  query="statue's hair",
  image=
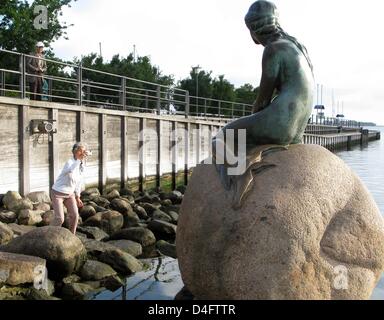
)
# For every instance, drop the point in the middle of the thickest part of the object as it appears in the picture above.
(263, 19)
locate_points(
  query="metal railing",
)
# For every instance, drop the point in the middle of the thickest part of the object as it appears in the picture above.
(76, 84)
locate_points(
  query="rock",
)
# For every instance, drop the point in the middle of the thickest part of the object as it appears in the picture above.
(62, 250)
(109, 221)
(127, 192)
(42, 207)
(181, 189)
(121, 261)
(40, 196)
(100, 201)
(162, 228)
(120, 205)
(307, 226)
(87, 211)
(29, 217)
(17, 269)
(22, 204)
(93, 233)
(160, 215)
(8, 216)
(47, 217)
(184, 294)
(129, 199)
(76, 291)
(138, 234)
(175, 208)
(112, 283)
(90, 192)
(6, 234)
(20, 230)
(113, 195)
(166, 202)
(11, 198)
(176, 197)
(174, 216)
(167, 248)
(133, 248)
(95, 270)
(73, 278)
(34, 294)
(96, 207)
(150, 208)
(140, 211)
(1, 199)
(13, 293)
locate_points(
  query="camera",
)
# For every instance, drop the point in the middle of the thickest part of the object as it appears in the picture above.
(42, 126)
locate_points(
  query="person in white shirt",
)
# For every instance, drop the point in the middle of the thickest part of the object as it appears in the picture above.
(67, 189)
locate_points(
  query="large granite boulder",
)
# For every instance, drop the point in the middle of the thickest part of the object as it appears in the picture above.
(62, 250)
(39, 197)
(6, 233)
(309, 229)
(109, 221)
(14, 202)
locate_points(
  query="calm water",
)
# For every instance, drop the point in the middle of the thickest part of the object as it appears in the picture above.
(162, 280)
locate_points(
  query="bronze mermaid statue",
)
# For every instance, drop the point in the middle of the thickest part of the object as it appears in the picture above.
(283, 106)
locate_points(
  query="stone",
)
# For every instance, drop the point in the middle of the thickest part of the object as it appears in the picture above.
(121, 261)
(35, 294)
(184, 294)
(120, 205)
(140, 211)
(6, 233)
(166, 248)
(96, 207)
(112, 283)
(130, 199)
(21, 204)
(90, 191)
(113, 195)
(181, 189)
(162, 228)
(306, 223)
(176, 197)
(95, 248)
(87, 211)
(109, 221)
(93, 233)
(73, 278)
(127, 192)
(76, 291)
(100, 201)
(174, 216)
(166, 202)
(39, 197)
(8, 216)
(47, 217)
(150, 208)
(11, 198)
(62, 250)
(41, 206)
(138, 234)
(17, 269)
(29, 217)
(20, 230)
(95, 270)
(133, 248)
(160, 215)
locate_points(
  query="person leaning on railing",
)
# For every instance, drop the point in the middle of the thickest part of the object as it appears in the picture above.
(36, 66)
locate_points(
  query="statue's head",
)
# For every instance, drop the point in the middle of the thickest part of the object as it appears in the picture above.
(262, 21)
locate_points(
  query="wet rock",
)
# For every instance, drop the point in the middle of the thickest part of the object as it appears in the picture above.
(62, 250)
(6, 234)
(17, 269)
(39, 197)
(113, 195)
(112, 283)
(96, 270)
(140, 211)
(41, 207)
(93, 233)
(87, 211)
(8, 216)
(109, 221)
(95, 248)
(160, 215)
(138, 234)
(29, 217)
(121, 261)
(162, 228)
(167, 248)
(20, 230)
(133, 248)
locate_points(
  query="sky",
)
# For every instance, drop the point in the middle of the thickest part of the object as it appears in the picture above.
(343, 38)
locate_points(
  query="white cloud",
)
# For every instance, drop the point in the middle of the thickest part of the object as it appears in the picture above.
(343, 38)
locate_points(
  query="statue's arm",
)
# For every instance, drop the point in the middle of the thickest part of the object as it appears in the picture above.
(270, 72)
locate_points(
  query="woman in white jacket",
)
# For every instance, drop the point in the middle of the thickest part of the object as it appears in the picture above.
(67, 189)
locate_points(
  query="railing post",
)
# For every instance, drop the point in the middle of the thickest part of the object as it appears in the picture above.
(205, 107)
(243, 110)
(187, 105)
(88, 92)
(2, 88)
(219, 109)
(80, 85)
(158, 102)
(146, 103)
(123, 93)
(50, 83)
(22, 77)
(233, 110)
